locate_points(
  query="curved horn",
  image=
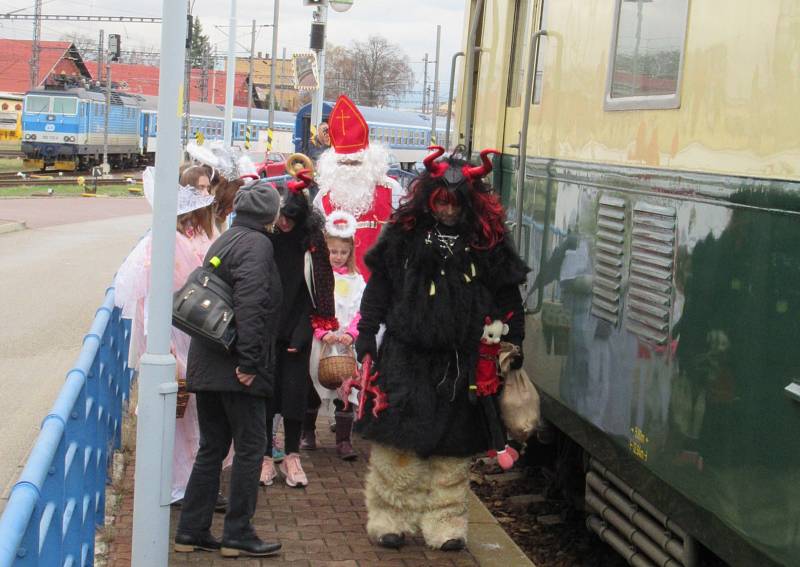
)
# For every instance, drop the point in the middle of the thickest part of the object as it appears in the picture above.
(303, 181)
(436, 169)
(481, 170)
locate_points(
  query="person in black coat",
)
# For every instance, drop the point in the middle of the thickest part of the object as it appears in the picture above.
(231, 387)
(442, 264)
(301, 255)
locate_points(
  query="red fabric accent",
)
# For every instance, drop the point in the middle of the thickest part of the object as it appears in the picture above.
(486, 378)
(366, 236)
(348, 129)
(328, 324)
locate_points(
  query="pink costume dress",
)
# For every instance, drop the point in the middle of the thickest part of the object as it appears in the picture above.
(132, 284)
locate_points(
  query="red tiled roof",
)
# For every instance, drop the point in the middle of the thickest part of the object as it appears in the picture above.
(143, 79)
(15, 57)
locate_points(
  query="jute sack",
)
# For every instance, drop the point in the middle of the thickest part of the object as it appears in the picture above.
(519, 400)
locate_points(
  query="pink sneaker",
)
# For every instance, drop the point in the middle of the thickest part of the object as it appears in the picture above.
(268, 472)
(293, 471)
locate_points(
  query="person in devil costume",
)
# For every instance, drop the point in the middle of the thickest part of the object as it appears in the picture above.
(441, 264)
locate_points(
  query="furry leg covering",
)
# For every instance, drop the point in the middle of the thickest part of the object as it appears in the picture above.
(405, 494)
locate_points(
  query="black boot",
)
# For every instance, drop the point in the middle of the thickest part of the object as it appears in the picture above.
(344, 428)
(251, 546)
(186, 543)
(392, 541)
(308, 440)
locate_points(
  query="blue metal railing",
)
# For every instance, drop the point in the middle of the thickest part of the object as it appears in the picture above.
(59, 499)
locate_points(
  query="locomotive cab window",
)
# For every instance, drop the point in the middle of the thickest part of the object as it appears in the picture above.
(34, 103)
(65, 105)
(646, 56)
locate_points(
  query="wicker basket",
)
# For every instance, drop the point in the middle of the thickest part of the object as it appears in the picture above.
(182, 399)
(336, 364)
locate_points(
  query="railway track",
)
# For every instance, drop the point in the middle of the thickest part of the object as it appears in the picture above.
(47, 181)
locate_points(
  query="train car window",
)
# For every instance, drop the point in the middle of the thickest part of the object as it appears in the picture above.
(538, 80)
(65, 105)
(35, 103)
(519, 50)
(646, 56)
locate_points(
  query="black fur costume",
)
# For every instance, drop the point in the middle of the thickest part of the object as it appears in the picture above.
(434, 304)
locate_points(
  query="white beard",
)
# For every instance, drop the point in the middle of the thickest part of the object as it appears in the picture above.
(352, 188)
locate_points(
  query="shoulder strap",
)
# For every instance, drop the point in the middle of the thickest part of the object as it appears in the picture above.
(216, 260)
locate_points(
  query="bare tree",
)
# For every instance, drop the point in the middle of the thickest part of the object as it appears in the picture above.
(85, 44)
(371, 72)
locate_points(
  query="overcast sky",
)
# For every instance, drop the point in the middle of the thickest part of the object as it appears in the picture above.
(409, 23)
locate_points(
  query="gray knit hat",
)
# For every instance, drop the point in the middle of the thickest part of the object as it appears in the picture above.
(258, 201)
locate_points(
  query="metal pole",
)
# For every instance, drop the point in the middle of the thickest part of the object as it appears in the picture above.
(155, 424)
(229, 82)
(435, 104)
(319, 96)
(272, 69)
(425, 85)
(450, 98)
(100, 57)
(106, 167)
(187, 77)
(469, 91)
(214, 78)
(35, 46)
(250, 74)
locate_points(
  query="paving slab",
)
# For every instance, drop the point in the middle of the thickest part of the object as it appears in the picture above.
(323, 524)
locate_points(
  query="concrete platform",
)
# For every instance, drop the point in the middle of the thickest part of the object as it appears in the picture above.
(323, 524)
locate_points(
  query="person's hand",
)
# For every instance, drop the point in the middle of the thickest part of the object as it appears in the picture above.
(365, 345)
(346, 339)
(516, 362)
(244, 379)
(329, 338)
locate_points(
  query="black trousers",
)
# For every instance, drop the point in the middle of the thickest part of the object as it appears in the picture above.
(226, 416)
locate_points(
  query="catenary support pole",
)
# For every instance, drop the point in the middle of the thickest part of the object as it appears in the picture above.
(229, 82)
(272, 69)
(425, 85)
(319, 95)
(187, 77)
(155, 430)
(100, 57)
(106, 167)
(435, 105)
(250, 81)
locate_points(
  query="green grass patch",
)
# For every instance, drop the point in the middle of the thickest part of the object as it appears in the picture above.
(10, 164)
(121, 190)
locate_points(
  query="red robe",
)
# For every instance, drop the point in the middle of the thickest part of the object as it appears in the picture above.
(368, 225)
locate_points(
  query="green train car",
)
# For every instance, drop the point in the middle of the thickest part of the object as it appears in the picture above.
(650, 163)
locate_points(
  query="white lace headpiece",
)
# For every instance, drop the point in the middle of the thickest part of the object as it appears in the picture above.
(189, 198)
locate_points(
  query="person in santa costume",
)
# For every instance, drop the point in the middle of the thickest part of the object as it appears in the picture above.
(352, 178)
(441, 264)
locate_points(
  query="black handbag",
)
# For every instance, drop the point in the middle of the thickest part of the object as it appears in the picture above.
(203, 307)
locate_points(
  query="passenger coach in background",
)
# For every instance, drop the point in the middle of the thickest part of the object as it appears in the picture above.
(651, 169)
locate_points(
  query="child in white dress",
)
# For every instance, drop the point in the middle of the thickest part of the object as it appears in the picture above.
(349, 286)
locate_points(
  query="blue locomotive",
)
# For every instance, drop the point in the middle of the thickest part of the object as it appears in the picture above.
(63, 128)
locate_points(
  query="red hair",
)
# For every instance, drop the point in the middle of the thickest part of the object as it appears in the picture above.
(483, 212)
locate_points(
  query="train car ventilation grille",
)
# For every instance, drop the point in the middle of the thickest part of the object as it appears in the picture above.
(609, 249)
(651, 270)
